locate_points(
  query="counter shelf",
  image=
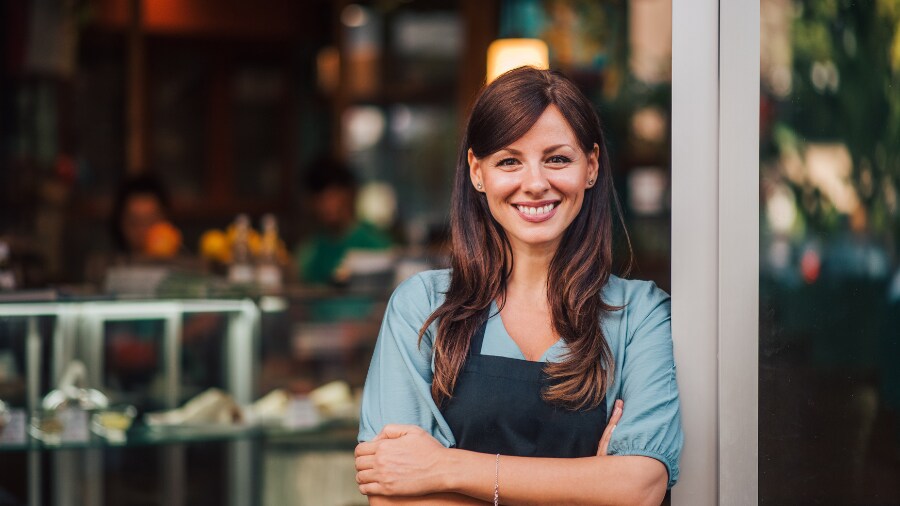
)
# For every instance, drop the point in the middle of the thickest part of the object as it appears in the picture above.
(331, 435)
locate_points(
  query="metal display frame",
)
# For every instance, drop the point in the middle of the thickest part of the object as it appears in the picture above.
(78, 333)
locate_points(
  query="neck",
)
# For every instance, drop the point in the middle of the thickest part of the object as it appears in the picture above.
(531, 267)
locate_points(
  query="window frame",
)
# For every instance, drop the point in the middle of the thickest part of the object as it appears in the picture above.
(715, 246)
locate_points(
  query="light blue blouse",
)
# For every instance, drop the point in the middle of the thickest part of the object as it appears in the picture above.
(398, 386)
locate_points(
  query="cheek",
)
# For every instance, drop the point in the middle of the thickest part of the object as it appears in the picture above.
(502, 182)
(500, 187)
(496, 208)
(571, 183)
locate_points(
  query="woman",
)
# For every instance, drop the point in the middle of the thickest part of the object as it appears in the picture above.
(486, 374)
(141, 202)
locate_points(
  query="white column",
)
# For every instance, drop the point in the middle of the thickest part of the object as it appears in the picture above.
(739, 252)
(695, 225)
(715, 246)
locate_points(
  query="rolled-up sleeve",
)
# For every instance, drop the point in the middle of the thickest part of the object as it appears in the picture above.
(651, 421)
(398, 385)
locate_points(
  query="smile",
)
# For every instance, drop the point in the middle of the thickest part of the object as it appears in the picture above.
(538, 211)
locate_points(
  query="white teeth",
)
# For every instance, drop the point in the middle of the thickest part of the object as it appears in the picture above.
(531, 211)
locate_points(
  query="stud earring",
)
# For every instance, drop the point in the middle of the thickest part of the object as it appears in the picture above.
(478, 186)
(591, 182)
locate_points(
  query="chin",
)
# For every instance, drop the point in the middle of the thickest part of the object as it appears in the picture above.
(540, 240)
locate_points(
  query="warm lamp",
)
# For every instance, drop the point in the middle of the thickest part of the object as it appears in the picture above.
(507, 54)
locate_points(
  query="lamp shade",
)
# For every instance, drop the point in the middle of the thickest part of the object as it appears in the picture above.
(507, 54)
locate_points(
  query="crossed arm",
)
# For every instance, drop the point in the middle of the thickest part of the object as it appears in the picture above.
(405, 465)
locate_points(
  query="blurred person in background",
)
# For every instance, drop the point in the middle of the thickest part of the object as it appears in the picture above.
(333, 190)
(141, 202)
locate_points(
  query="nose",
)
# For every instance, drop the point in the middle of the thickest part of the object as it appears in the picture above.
(535, 182)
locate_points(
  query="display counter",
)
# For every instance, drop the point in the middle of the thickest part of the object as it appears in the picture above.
(157, 355)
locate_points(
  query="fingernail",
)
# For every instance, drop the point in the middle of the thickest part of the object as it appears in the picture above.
(613, 429)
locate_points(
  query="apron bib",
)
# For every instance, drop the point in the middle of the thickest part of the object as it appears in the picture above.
(497, 408)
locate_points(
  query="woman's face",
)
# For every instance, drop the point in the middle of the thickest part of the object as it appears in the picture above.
(141, 212)
(535, 186)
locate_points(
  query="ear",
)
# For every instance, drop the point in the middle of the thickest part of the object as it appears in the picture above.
(594, 164)
(474, 170)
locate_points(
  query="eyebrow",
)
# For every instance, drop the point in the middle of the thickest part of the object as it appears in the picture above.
(547, 150)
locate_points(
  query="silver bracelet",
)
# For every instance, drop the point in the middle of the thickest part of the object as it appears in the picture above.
(497, 481)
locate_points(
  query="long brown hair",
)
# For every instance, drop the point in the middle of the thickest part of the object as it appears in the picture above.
(481, 256)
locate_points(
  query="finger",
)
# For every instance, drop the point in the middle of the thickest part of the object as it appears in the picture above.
(371, 489)
(392, 431)
(365, 462)
(618, 409)
(366, 448)
(367, 476)
(603, 445)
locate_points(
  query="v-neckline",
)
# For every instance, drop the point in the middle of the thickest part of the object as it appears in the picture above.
(495, 313)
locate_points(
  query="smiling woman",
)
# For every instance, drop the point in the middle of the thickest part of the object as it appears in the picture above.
(539, 176)
(505, 376)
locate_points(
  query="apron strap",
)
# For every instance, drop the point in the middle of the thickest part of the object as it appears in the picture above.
(478, 339)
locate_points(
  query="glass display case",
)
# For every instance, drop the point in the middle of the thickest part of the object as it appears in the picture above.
(161, 357)
(126, 347)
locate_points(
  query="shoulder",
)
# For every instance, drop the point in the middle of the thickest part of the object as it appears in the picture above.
(424, 290)
(432, 283)
(634, 294)
(642, 302)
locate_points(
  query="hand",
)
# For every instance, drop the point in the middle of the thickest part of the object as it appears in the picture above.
(610, 427)
(402, 460)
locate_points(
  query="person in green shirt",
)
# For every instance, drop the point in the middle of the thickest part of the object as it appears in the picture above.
(333, 188)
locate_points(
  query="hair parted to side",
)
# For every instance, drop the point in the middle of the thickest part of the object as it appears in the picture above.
(481, 256)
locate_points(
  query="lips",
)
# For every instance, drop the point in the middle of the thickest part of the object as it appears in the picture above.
(535, 212)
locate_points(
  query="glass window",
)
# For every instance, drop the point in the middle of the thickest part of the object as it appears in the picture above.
(98, 106)
(258, 105)
(178, 99)
(829, 400)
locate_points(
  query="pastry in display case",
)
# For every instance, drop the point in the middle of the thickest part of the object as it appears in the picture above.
(214, 410)
(65, 412)
(209, 410)
(68, 394)
(113, 423)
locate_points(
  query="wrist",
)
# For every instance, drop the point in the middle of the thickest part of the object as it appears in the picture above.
(451, 466)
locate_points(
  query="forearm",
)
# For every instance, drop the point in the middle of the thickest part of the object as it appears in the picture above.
(444, 499)
(615, 480)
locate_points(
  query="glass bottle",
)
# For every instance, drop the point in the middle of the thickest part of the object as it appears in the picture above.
(241, 269)
(268, 270)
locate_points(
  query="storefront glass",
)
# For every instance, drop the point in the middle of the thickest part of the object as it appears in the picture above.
(231, 110)
(829, 309)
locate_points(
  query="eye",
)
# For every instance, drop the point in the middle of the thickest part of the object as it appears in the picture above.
(507, 162)
(559, 159)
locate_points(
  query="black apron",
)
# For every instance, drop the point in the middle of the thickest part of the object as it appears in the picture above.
(497, 408)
